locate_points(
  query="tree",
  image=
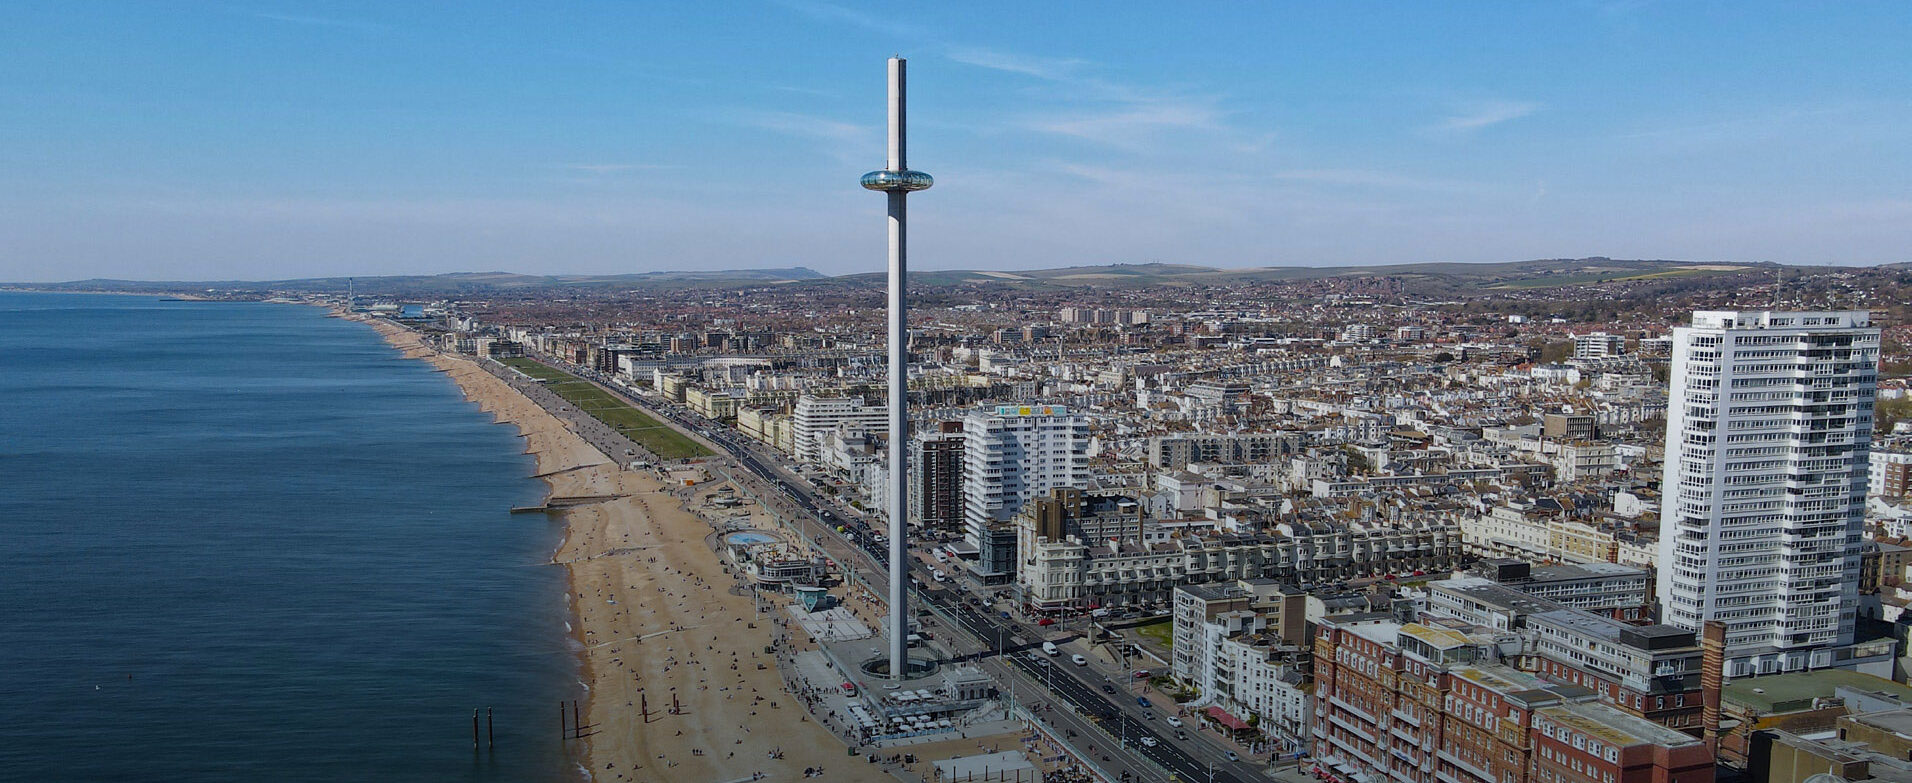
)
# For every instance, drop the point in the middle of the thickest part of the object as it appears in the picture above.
(1554, 353)
(1888, 413)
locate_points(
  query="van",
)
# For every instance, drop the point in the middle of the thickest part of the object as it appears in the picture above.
(1079, 660)
(1050, 648)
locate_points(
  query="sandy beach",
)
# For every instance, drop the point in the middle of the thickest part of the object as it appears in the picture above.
(658, 618)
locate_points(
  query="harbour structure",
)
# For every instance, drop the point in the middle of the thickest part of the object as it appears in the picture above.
(896, 181)
(1763, 501)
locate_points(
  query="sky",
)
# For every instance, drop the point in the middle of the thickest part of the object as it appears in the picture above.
(268, 139)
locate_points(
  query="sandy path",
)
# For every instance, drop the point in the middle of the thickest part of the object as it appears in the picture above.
(657, 618)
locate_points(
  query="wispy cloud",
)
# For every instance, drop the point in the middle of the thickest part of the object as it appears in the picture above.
(1096, 109)
(1486, 114)
(1135, 125)
(1050, 68)
(807, 126)
(831, 12)
(618, 168)
(321, 21)
(1369, 178)
(843, 141)
(1752, 126)
(811, 91)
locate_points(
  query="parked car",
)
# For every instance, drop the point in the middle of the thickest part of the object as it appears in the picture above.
(1141, 674)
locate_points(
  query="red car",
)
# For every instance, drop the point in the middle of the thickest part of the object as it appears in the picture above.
(1141, 674)
(1046, 621)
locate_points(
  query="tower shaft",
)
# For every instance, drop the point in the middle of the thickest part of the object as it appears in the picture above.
(899, 386)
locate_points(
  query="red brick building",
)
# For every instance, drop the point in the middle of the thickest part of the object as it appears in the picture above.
(1432, 703)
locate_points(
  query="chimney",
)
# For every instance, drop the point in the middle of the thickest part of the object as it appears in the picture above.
(1712, 676)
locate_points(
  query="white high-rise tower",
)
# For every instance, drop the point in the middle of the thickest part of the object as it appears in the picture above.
(1768, 429)
(1014, 454)
(897, 181)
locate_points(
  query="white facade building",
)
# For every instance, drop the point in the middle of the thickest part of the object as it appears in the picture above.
(817, 415)
(1763, 501)
(1890, 475)
(1015, 453)
(1598, 345)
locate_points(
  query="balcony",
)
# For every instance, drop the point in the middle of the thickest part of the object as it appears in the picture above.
(1358, 731)
(1404, 734)
(1358, 712)
(1469, 768)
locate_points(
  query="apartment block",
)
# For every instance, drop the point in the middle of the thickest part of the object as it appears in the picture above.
(1598, 345)
(1012, 455)
(936, 478)
(1889, 474)
(1768, 443)
(816, 415)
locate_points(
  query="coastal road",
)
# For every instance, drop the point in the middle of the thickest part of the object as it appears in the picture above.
(1093, 703)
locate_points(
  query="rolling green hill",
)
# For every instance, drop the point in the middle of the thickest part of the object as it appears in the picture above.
(1432, 277)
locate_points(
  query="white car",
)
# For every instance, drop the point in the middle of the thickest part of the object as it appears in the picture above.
(1147, 741)
(1174, 721)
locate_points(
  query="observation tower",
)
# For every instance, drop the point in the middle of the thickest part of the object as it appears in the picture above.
(897, 181)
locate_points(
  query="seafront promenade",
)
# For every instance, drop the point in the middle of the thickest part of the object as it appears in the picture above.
(670, 644)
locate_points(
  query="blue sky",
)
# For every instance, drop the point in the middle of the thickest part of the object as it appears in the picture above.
(178, 140)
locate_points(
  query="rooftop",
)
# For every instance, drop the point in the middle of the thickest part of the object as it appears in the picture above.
(1613, 631)
(1495, 594)
(1897, 721)
(1438, 638)
(1794, 692)
(1564, 572)
(1520, 686)
(1614, 727)
(1385, 632)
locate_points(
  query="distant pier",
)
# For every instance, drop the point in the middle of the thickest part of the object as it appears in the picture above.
(562, 503)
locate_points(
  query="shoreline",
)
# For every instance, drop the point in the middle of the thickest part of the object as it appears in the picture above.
(644, 586)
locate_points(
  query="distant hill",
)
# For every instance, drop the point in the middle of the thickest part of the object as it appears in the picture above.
(1426, 278)
(460, 282)
(1509, 275)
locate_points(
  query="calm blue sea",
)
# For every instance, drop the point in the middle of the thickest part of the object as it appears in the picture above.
(249, 542)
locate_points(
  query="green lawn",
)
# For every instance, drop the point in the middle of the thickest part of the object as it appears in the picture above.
(637, 425)
(1161, 632)
(1615, 276)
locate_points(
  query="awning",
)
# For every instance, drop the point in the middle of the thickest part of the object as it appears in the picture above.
(1222, 717)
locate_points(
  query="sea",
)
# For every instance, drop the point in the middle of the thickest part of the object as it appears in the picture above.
(246, 541)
